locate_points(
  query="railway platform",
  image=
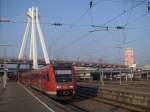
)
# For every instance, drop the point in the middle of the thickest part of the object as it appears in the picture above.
(16, 98)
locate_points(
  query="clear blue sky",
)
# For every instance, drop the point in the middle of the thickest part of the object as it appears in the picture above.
(68, 42)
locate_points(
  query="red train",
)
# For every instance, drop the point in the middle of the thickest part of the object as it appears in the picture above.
(58, 81)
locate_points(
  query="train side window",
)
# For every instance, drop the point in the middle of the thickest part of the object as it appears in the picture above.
(47, 76)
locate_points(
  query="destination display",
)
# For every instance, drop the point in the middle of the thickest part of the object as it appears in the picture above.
(63, 72)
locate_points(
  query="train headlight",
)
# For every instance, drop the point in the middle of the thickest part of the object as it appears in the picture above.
(58, 87)
(70, 86)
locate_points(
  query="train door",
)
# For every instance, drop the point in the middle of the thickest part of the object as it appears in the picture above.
(45, 79)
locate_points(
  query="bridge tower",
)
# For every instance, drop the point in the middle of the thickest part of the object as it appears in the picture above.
(33, 21)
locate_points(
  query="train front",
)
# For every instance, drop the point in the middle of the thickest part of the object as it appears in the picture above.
(65, 82)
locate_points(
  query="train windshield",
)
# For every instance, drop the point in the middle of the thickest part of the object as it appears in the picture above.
(63, 75)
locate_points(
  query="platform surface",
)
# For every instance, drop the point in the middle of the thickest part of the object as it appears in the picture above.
(16, 99)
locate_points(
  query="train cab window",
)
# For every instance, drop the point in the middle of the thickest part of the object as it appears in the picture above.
(63, 76)
(45, 75)
(1, 73)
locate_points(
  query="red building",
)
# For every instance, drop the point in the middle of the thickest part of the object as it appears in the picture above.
(129, 57)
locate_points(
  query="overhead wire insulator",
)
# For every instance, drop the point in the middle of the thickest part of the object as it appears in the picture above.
(149, 7)
(119, 27)
(103, 29)
(5, 20)
(57, 24)
(98, 26)
(91, 4)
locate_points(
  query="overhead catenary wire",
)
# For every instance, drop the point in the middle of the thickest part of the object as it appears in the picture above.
(127, 22)
(124, 33)
(91, 4)
(139, 17)
(60, 24)
(87, 34)
(67, 24)
(117, 1)
(57, 24)
(122, 13)
(74, 41)
(91, 17)
(128, 42)
(63, 24)
(124, 30)
(73, 23)
(132, 41)
(129, 16)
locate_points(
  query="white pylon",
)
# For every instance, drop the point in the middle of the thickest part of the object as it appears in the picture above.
(42, 38)
(34, 19)
(24, 40)
(33, 34)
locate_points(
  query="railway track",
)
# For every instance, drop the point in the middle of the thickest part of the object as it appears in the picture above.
(91, 92)
(68, 106)
(74, 104)
(113, 103)
(88, 104)
(64, 106)
(72, 107)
